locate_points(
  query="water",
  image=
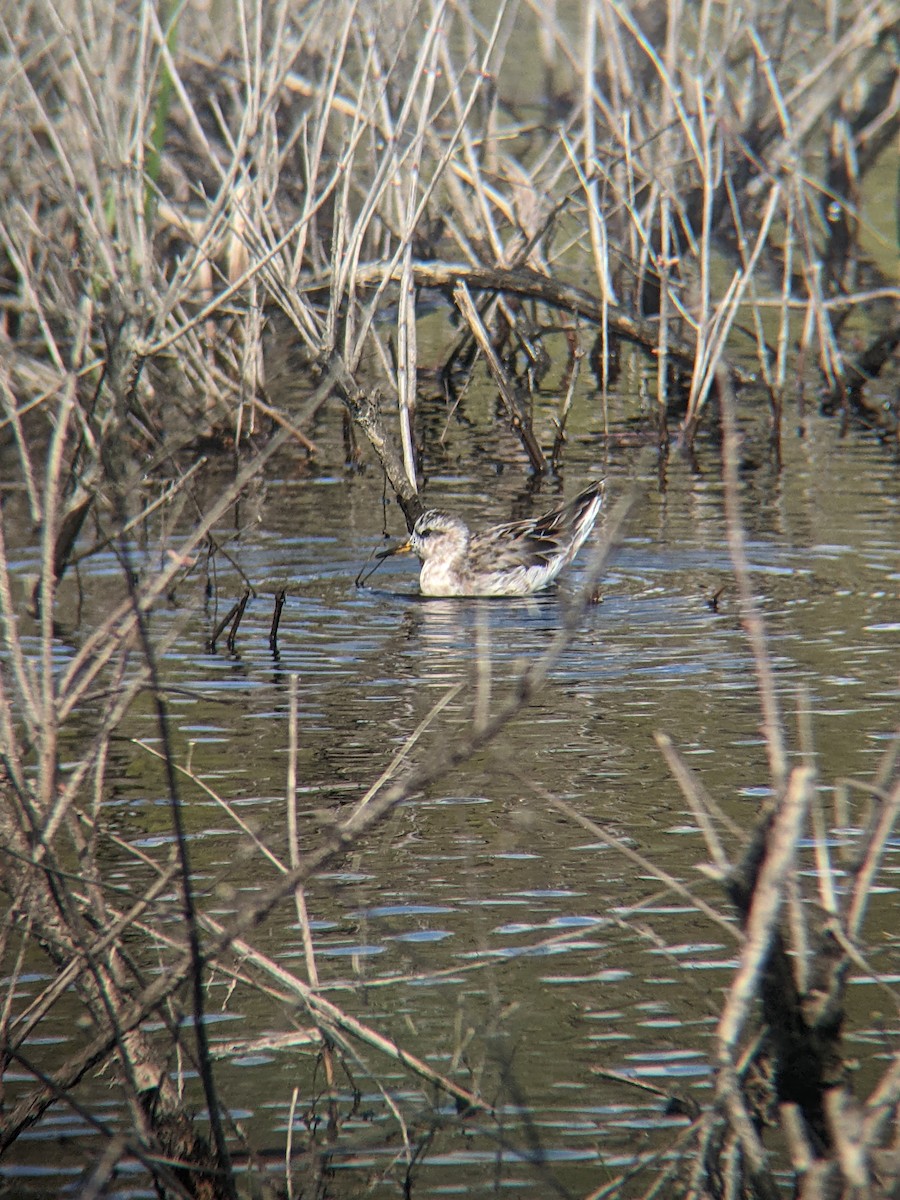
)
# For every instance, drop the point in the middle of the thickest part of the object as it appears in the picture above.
(508, 946)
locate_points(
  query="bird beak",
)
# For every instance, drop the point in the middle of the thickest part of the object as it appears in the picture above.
(403, 548)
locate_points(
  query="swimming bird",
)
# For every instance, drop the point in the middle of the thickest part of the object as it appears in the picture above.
(515, 559)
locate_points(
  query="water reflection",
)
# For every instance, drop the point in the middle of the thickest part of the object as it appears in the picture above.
(478, 926)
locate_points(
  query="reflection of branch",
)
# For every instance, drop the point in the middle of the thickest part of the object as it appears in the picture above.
(522, 428)
(750, 616)
(97, 649)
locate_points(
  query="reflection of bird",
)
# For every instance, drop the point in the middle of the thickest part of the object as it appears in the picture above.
(515, 559)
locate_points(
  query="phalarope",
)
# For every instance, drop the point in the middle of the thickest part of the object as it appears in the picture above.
(515, 559)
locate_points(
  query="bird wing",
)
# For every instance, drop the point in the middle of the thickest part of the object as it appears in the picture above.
(531, 542)
(516, 544)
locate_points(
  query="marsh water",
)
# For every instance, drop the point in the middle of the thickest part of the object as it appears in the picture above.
(479, 926)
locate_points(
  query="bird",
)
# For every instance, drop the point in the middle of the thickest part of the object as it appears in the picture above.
(514, 559)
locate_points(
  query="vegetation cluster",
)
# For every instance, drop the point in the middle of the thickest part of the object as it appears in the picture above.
(217, 221)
